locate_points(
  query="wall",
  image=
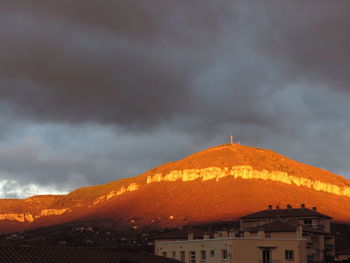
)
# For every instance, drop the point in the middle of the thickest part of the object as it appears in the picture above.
(245, 250)
(196, 245)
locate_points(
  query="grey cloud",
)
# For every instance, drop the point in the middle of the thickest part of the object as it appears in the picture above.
(129, 75)
(69, 157)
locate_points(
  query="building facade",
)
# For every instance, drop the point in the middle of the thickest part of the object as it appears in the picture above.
(315, 228)
(210, 250)
(288, 235)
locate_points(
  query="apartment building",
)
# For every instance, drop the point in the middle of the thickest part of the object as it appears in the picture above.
(208, 250)
(293, 235)
(275, 242)
(315, 228)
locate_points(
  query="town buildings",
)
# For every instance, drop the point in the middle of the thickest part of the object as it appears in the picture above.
(275, 235)
(77, 255)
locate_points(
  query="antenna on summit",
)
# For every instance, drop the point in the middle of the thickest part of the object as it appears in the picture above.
(231, 139)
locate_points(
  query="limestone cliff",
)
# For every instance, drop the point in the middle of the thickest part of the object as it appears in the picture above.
(29, 218)
(247, 172)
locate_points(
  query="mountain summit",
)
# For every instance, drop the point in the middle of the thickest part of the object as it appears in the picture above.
(220, 183)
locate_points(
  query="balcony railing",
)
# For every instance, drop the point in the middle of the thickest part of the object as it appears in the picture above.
(310, 244)
(271, 261)
(329, 247)
(316, 226)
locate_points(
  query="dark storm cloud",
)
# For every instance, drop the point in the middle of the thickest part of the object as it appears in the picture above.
(60, 68)
(130, 62)
(274, 73)
(312, 38)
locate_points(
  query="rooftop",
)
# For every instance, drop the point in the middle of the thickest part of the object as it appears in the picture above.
(72, 255)
(302, 212)
(181, 234)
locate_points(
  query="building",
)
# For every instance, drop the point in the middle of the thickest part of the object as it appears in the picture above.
(264, 245)
(315, 228)
(198, 250)
(343, 255)
(298, 235)
(277, 241)
(76, 255)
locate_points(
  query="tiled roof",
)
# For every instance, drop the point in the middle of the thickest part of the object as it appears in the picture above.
(76, 255)
(282, 213)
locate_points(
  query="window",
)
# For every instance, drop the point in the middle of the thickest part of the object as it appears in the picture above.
(310, 258)
(182, 256)
(203, 255)
(307, 221)
(164, 254)
(266, 253)
(289, 255)
(193, 257)
(174, 254)
(224, 253)
(212, 253)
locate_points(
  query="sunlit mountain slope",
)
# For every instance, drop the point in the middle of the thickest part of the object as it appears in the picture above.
(222, 182)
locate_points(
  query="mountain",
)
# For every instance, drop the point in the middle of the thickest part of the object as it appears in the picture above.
(220, 183)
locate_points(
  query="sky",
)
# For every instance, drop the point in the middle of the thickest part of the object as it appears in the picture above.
(93, 91)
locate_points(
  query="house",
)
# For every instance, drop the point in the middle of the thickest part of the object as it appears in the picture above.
(298, 235)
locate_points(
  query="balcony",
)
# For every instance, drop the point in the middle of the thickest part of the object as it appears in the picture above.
(328, 247)
(313, 259)
(271, 261)
(310, 244)
(321, 227)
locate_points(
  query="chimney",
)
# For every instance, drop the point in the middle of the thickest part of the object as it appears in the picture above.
(314, 209)
(289, 206)
(303, 206)
(232, 233)
(261, 234)
(270, 207)
(300, 232)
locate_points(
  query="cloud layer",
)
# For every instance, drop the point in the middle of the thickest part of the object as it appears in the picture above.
(92, 91)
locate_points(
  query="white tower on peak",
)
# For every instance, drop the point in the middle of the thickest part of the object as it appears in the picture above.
(231, 139)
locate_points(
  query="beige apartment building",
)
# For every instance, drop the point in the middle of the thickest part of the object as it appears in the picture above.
(209, 250)
(315, 228)
(288, 235)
